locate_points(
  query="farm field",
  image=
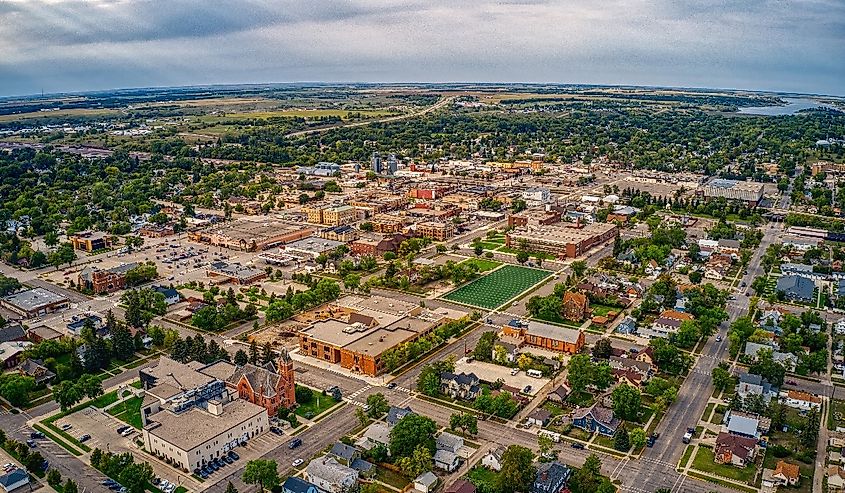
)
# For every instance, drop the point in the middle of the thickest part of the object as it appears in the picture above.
(497, 287)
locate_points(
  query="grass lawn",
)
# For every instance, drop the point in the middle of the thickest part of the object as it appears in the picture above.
(482, 476)
(484, 265)
(604, 441)
(494, 289)
(578, 434)
(318, 404)
(129, 411)
(582, 399)
(391, 477)
(703, 461)
(104, 400)
(836, 416)
(554, 408)
(603, 310)
(718, 414)
(487, 245)
(559, 320)
(686, 456)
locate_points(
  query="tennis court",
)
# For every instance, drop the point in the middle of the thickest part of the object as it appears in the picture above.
(497, 287)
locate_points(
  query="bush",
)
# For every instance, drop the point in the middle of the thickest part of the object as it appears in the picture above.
(779, 451)
(304, 395)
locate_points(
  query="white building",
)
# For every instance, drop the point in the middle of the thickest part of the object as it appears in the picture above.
(536, 196)
(331, 476)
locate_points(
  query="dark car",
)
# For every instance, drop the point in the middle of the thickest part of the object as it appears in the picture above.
(579, 446)
(234, 455)
(227, 459)
(203, 474)
(36, 435)
(31, 443)
(650, 442)
(213, 466)
(85, 438)
(296, 442)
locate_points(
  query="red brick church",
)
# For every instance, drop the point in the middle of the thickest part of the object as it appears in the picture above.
(270, 386)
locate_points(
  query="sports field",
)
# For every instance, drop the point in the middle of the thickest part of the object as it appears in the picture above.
(494, 289)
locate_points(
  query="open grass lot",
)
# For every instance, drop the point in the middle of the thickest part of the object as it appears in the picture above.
(484, 265)
(129, 411)
(494, 289)
(703, 461)
(315, 406)
(836, 416)
(603, 310)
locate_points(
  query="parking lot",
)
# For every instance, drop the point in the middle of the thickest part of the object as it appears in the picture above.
(490, 372)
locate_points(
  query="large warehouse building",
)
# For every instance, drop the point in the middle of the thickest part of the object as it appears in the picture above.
(373, 326)
(561, 240)
(747, 191)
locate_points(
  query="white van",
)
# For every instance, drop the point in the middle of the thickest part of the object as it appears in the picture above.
(534, 373)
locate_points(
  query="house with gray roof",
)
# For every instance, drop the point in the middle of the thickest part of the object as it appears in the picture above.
(331, 476)
(395, 414)
(751, 384)
(464, 386)
(344, 453)
(298, 485)
(796, 288)
(551, 477)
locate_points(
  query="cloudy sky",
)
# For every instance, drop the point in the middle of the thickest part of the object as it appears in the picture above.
(79, 45)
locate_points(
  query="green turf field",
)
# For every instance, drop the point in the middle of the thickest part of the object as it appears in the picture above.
(494, 289)
(483, 264)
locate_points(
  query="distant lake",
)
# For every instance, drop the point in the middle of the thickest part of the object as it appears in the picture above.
(792, 106)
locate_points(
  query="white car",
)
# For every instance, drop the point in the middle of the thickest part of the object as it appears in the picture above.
(514, 371)
(298, 462)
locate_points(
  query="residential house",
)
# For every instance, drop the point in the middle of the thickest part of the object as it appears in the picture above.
(786, 473)
(835, 478)
(751, 384)
(644, 368)
(788, 360)
(647, 356)
(344, 454)
(171, 296)
(575, 306)
(596, 418)
(35, 368)
(425, 482)
(796, 288)
(329, 475)
(461, 486)
(12, 332)
(800, 400)
(734, 449)
(506, 351)
(493, 459)
(461, 386)
(539, 417)
(551, 477)
(11, 353)
(298, 485)
(559, 394)
(14, 479)
(43, 333)
(446, 455)
(742, 425)
(628, 325)
(395, 414)
(376, 434)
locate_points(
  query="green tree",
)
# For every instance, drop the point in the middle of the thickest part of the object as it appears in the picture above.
(377, 405)
(135, 477)
(722, 379)
(54, 478)
(518, 471)
(522, 256)
(261, 472)
(637, 437)
(411, 432)
(253, 352)
(478, 250)
(626, 402)
(417, 463)
(588, 478)
(579, 267)
(230, 488)
(483, 350)
(241, 358)
(621, 440)
(70, 487)
(602, 349)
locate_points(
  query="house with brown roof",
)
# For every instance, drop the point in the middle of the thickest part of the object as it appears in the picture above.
(575, 306)
(734, 449)
(800, 400)
(786, 473)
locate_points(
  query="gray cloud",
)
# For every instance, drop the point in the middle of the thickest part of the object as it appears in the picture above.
(57, 45)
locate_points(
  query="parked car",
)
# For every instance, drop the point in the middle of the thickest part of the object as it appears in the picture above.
(36, 435)
(391, 385)
(296, 442)
(66, 427)
(31, 443)
(85, 438)
(233, 455)
(515, 371)
(297, 462)
(579, 446)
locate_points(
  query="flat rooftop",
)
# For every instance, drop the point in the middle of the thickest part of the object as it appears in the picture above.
(194, 427)
(379, 340)
(176, 374)
(34, 299)
(562, 234)
(381, 304)
(246, 229)
(314, 244)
